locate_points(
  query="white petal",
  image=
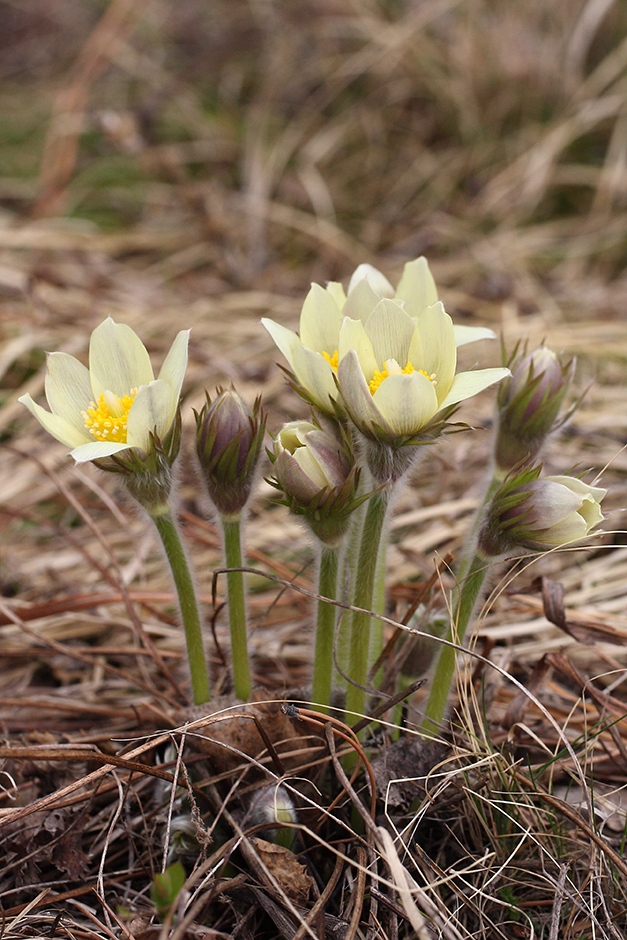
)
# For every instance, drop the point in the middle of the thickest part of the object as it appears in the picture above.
(568, 530)
(286, 340)
(361, 301)
(68, 388)
(416, 287)
(406, 402)
(552, 503)
(153, 410)
(337, 292)
(353, 336)
(175, 363)
(316, 375)
(118, 360)
(378, 281)
(56, 425)
(320, 321)
(356, 394)
(433, 348)
(467, 384)
(471, 334)
(390, 331)
(96, 450)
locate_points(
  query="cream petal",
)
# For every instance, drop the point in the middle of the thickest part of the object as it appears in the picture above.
(356, 394)
(96, 450)
(152, 411)
(390, 330)
(568, 530)
(68, 389)
(378, 281)
(320, 321)
(56, 425)
(175, 363)
(552, 502)
(337, 292)
(353, 336)
(433, 349)
(286, 340)
(406, 402)
(118, 360)
(316, 376)
(471, 334)
(416, 287)
(361, 301)
(467, 384)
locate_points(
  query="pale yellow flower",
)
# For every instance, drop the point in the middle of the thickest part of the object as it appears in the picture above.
(313, 353)
(117, 403)
(396, 373)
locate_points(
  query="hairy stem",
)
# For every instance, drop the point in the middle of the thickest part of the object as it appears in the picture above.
(237, 607)
(184, 584)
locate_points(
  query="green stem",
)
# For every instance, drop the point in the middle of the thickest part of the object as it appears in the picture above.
(464, 602)
(183, 582)
(325, 627)
(237, 606)
(470, 576)
(363, 597)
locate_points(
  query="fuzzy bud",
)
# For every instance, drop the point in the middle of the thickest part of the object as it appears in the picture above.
(537, 514)
(273, 807)
(529, 403)
(316, 472)
(228, 444)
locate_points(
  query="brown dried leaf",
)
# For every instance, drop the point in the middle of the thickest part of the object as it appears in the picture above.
(285, 867)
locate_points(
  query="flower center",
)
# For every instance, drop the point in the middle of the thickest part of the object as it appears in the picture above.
(332, 360)
(391, 367)
(108, 418)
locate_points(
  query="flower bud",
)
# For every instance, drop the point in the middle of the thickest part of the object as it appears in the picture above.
(528, 405)
(317, 474)
(273, 806)
(228, 444)
(537, 514)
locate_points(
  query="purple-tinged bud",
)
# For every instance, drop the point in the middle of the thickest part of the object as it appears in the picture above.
(315, 470)
(537, 514)
(228, 443)
(529, 403)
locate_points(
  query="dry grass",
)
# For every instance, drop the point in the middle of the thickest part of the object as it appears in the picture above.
(199, 166)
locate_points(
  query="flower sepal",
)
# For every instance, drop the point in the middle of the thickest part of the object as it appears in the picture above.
(534, 513)
(316, 472)
(529, 404)
(229, 438)
(148, 475)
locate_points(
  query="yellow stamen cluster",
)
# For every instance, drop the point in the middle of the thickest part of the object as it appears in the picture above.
(379, 376)
(332, 360)
(107, 420)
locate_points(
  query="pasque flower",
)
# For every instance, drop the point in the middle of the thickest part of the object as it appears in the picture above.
(316, 472)
(397, 373)
(529, 405)
(116, 404)
(228, 443)
(314, 353)
(537, 514)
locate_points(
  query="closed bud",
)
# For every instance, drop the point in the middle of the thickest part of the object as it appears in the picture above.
(529, 404)
(228, 443)
(537, 514)
(316, 472)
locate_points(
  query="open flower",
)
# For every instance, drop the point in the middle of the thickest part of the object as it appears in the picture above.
(397, 373)
(527, 512)
(117, 403)
(313, 354)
